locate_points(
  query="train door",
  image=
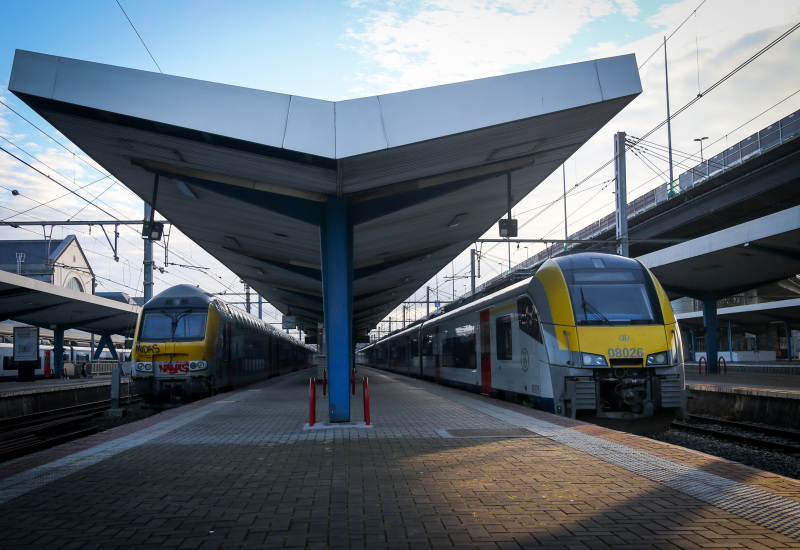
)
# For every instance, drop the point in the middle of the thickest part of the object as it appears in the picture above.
(486, 354)
(409, 355)
(437, 353)
(47, 372)
(229, 366)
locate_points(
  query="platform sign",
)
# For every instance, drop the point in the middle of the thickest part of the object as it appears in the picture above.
(438, 303)
(26, 343)
(289, 322)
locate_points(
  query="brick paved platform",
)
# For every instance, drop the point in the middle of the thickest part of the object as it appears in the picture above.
(439, 468)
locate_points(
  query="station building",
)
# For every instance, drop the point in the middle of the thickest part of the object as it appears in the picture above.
(58, 262)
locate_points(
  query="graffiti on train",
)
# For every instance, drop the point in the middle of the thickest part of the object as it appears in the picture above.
(178, 367)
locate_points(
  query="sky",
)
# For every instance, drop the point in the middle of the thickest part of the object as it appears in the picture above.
(337, 50)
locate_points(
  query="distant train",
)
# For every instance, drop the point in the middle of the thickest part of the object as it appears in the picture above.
(189, 344)
(45, 368)
(589, 334)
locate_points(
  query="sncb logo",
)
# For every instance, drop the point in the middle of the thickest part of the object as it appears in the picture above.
(624, 337)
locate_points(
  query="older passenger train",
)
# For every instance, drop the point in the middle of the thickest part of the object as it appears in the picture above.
(589, 334)
(189, 344)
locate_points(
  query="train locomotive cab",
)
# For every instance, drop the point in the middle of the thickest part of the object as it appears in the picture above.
(614, 334)
(174, 346)
(590, 335)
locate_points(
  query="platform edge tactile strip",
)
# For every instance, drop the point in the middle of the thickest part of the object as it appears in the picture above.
(773, 511)
(23, 482)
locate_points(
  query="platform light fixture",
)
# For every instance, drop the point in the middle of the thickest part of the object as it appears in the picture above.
(232, 242)
(701, 147)
(185, 189)
(456, 219)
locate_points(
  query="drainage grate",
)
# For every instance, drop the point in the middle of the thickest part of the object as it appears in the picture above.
(492, 432)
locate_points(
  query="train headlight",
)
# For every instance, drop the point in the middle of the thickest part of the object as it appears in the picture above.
(197, 365)
(660, 358)
(144, 367)
(592, 360)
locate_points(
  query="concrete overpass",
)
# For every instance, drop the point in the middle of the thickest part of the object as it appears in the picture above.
(728, 262)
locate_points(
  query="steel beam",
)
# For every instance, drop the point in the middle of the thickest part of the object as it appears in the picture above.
(105, 342)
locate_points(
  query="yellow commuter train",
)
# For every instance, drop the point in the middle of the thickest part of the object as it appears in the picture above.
(589, 334)
(189, 344)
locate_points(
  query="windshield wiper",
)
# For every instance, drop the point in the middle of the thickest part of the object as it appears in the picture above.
(589, 307)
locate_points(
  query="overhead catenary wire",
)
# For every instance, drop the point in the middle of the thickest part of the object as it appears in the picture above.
(140, 37)
(186, 260)
(693, 101)
(687, 156)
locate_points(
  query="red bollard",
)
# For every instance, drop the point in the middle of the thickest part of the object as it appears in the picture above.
(366, 401)
(353, 381)
(324, 382)
(312, 402)
(700, 365)
(724, 364)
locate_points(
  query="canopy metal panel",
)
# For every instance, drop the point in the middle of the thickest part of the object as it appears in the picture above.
(258, 165)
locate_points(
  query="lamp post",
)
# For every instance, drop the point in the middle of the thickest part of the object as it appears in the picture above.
(701, 147)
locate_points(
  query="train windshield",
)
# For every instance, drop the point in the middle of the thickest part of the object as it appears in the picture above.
(610, 297)
(173, 325)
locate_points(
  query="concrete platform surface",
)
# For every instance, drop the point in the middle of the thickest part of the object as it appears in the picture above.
(439, 468)
(785, 386)
(44, 385)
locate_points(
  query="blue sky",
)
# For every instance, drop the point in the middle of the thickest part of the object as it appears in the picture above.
(343, 49)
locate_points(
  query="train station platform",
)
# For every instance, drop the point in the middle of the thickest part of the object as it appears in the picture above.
(50, 395)
(439, 468)
(786, 386)
(750, 393)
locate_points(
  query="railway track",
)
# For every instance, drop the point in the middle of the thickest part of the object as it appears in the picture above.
(34, 432)
(763, 437)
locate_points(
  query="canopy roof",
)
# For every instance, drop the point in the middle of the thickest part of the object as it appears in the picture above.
(50, 306)
(733, 260)
(245, 173)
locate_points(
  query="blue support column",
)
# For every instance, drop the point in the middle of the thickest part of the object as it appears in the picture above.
(58, 351)
(788, 330)
(730, 343)
(769, 340)
(105, 342)
(336, 235)
(710, 322)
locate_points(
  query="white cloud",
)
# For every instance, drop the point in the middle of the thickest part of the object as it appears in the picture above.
(451, 40)
(629, 8)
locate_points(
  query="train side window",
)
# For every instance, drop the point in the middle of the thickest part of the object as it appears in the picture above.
(529, 319)
(427, 345)
(503, 326)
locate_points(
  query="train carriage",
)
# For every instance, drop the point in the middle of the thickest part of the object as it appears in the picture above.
(189, 344)
(590, 333)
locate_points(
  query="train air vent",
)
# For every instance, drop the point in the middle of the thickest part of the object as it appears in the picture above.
(632, 362)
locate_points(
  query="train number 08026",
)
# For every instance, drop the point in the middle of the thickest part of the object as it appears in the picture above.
(625, 352)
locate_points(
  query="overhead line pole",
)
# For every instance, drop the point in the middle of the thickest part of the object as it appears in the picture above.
(148, 260)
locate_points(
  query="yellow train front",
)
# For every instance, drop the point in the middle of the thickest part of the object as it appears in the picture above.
(189, 344)
(590, 334)
(612, 340)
